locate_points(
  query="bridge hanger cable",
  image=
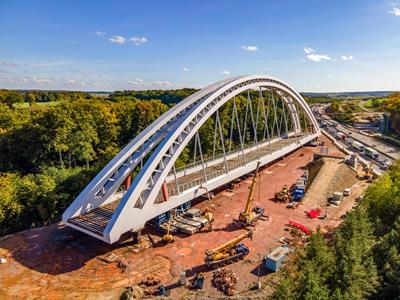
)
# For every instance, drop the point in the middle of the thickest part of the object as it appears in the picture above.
(215, 136)
(266, 115)
(221, 136)
(238, 125)
(252, 122)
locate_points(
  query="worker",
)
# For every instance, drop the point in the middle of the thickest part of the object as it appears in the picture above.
(209, 216)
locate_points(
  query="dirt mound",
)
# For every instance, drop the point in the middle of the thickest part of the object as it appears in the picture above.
(333, 175)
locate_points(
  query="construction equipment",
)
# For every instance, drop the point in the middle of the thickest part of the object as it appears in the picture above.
(370, 171)
(168, 237)
(249, 216)
(229, 252)
(209, 216)
(283, 195)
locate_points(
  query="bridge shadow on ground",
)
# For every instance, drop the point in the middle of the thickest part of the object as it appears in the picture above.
(54, 249)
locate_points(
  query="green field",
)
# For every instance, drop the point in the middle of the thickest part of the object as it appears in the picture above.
(26, 104)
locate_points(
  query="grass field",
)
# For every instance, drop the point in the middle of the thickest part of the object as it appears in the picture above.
(26, 104)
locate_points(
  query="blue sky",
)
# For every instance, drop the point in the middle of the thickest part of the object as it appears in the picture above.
(330, 45)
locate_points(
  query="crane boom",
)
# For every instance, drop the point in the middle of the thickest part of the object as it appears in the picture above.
(231, 243)
(251, 192)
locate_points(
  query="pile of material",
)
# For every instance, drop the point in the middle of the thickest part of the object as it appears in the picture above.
(297, 225)
(151, 285)
(314, 213)
(225, 280)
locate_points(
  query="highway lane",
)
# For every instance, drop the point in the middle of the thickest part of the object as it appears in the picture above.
(387, 152)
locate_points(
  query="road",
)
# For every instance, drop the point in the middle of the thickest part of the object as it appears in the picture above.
(386, 151)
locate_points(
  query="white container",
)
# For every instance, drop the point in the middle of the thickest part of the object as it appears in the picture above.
(347, 192)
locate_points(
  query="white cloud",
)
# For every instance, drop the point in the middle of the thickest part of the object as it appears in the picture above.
(250, 48)
(35, 80)
(138, 40)
(395, 11)
(347, 57)
(70, 81)
(225, 72)
(49, 64)
(186, 69)
(117, 39)
(330, 76)
(8, 64)
(100, 33)
(137, 81)
(308, 50)
(318, 57)
(161, 83)
(140, 83)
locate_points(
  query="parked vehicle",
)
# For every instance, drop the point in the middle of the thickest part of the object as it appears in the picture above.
(347, 192)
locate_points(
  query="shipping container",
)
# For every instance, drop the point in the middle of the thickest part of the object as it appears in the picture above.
(276, 258)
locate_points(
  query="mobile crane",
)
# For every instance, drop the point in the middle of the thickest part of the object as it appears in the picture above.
(250, 216)
(229, 252)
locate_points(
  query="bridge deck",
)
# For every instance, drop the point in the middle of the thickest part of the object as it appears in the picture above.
(97, 219)
(196, 178)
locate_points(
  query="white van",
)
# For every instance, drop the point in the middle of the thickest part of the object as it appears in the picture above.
(347, 192)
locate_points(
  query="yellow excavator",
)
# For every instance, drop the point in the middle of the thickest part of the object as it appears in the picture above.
(283, 195)
(370, 171)
(229, 252)
(250, 215)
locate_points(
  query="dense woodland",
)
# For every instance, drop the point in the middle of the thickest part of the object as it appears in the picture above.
(50, 152)
(362, 258)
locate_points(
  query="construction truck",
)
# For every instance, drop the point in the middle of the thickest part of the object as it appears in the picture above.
(250, 215)
(283, 195)
(229, 252)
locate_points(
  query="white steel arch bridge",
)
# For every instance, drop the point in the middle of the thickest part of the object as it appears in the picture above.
(274, 121)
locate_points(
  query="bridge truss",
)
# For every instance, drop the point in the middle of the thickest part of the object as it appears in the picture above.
(246, 119)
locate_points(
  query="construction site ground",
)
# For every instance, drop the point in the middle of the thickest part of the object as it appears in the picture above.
(56, 262)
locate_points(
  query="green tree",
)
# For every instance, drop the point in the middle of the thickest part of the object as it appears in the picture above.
(10, 98)
(356, 271)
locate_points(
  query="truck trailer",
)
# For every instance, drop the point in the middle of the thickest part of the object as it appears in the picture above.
(371, 152)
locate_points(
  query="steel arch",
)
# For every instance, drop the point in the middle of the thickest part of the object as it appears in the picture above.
(168, 136)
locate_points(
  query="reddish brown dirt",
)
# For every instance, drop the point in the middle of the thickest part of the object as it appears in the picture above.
(55, 262)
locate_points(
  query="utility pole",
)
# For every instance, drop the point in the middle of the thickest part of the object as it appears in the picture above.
(258, 272)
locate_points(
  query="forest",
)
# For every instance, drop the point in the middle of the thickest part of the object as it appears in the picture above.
(50, 152)
(361, 260)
